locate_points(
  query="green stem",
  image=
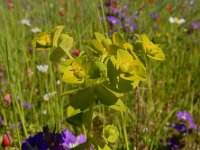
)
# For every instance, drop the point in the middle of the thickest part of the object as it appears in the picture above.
(90, 126)
(125, 131)
(104, 18)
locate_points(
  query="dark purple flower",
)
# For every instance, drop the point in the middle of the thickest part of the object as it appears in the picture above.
(35, 142)
(154, 15)
(113, 20)
(71, 141)
(173, 143)
(180, 127)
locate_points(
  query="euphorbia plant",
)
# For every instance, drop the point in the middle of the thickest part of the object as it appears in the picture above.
(102, 73)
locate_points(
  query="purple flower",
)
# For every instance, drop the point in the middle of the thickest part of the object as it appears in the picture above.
(27, 105)
(113, 20)
(154, 15)
(195, 25)
(1, 122)
(184, 116)
(70, 140)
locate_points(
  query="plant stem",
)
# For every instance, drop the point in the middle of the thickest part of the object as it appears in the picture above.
(124, 130)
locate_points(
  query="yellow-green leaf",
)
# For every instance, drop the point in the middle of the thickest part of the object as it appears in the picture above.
(152, 50)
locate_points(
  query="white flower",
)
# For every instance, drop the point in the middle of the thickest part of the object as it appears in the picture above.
(44, 112)
(47, 96)
(181, 21)
(58, 82)
(26, 22)
(171, 19)
(176, 20)
(36, 30)
(42, 68)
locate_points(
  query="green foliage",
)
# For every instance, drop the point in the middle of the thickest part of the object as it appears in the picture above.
(102, 74)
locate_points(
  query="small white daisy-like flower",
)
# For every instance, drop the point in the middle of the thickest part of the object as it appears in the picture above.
(36, 30)
(176, 20)
(58, 82)
(44, 112)
(171, 19)
(26, 22)
(42, 68)
(47, 96)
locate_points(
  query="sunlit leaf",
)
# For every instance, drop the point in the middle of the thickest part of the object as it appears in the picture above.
(152, 50)
(99, 36)
(118, 40)
(119, 106)
(56, 34)
(110, 133)
(69, 76)
(42, 41)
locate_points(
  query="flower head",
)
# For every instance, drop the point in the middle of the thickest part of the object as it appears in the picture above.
(71, 141)
(6, 140)
(113, 20)
(42, 68)
(184, 116)
(25, 22)
(180, 127)
(36, 30)
(27, 105)
(176, 20)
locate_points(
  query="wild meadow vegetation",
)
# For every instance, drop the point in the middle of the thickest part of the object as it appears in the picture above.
(100, 74)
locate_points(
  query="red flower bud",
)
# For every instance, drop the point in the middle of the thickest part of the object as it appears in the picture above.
(6, 140)
(76, 52)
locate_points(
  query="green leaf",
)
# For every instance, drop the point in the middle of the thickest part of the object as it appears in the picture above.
(153, 51)
(110, 133)
(66, 42)
(118, 40)
(56, 34)
(71, 111)
(106, 42)
(125, 85)
(82, 99)
(69, 76)
(99, 36)
(119, 106)
(124, 60)
(56, 54)
(105, 95)
(106, 147)
(76, 119)
(112, 72)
